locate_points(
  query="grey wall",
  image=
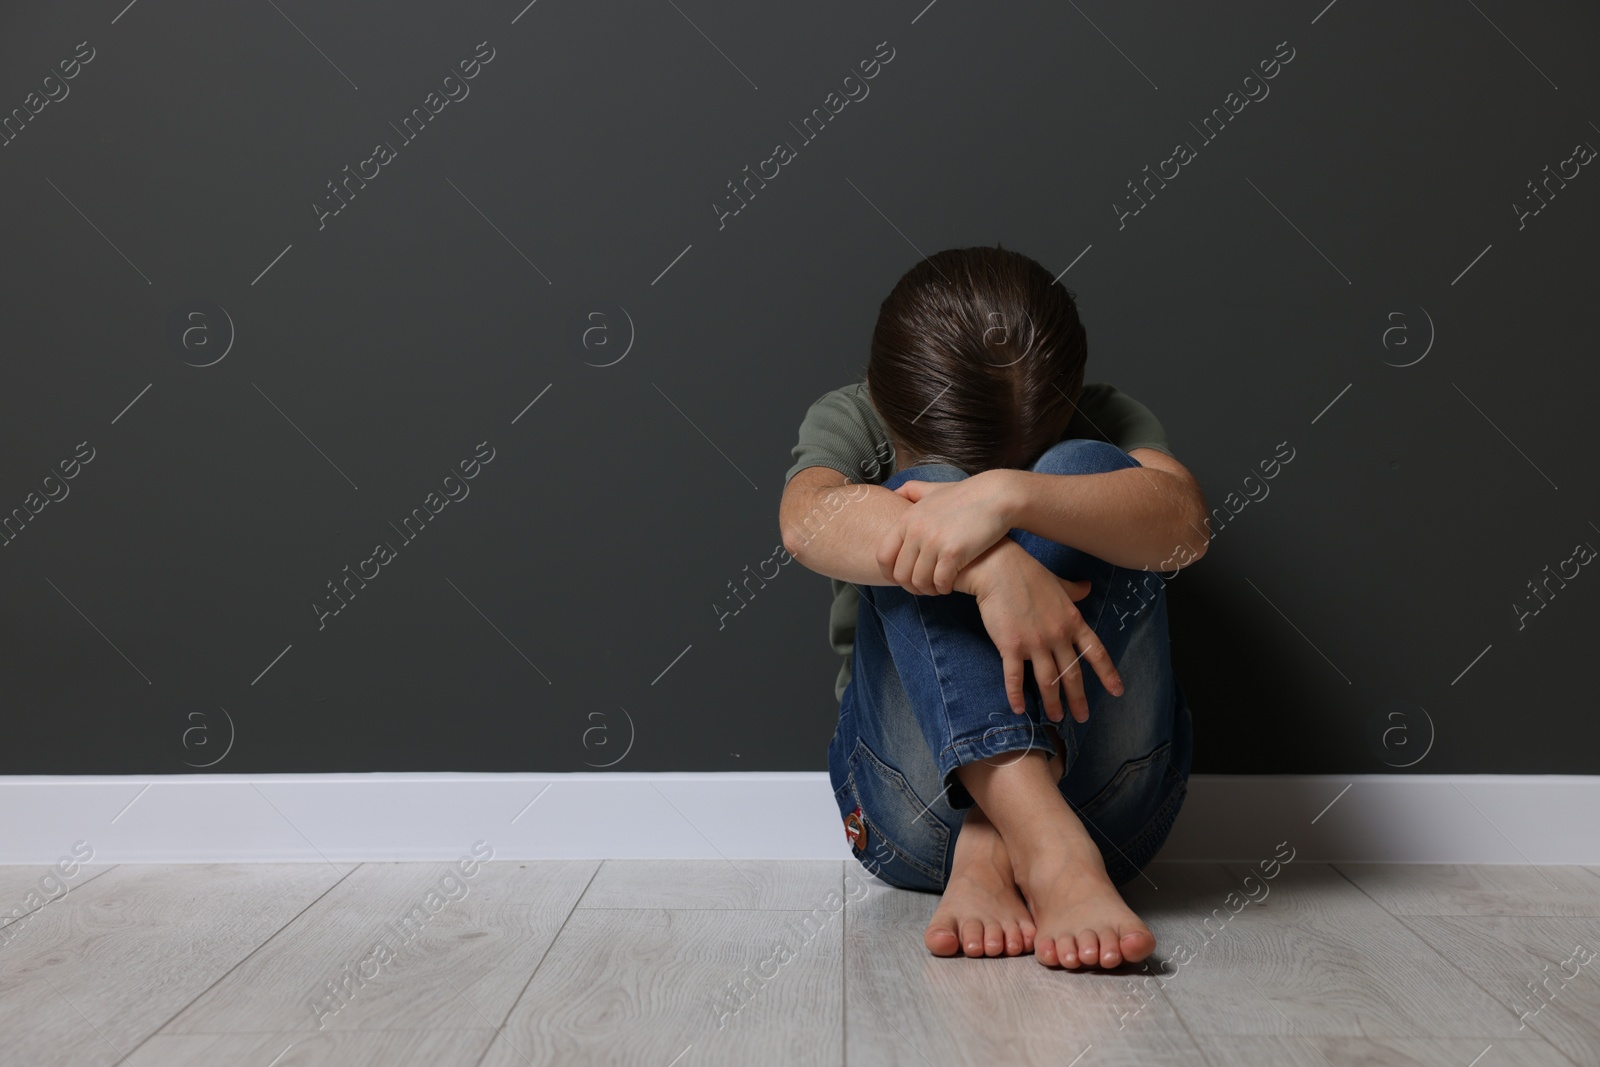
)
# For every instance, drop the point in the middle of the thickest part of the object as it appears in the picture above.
(1283, 287)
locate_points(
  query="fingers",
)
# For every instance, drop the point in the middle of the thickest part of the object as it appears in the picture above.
(1072, 676)
(904, 567)
(1075, 694)
(1044, 670)
(1012, 666)
(922, 572)
(1072, 679)
(1100, 660)
(912, 564)
(931, 574)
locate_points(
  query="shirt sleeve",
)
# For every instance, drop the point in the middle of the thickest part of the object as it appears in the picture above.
(841, 431)
(1116, 417)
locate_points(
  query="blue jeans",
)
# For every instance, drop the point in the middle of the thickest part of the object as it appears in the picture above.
(927, 695)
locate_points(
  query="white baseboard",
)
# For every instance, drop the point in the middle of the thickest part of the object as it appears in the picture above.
(346, 818)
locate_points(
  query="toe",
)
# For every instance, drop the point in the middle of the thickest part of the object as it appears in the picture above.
(1088, 948)
(1044, 950)
(1137, 944)
(994, 939)
(972, 937)
(1013, 934)
(1110, 953)
(941, 938)
(1067, 949)
(1028, 932)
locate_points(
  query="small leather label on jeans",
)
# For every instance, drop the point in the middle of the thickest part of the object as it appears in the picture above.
(855, 830)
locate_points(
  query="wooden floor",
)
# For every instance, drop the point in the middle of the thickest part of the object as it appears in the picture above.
(677, 964)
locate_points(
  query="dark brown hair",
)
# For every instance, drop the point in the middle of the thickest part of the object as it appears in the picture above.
(977, 360)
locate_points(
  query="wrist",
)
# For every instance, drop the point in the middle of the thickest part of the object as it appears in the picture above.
(975, 576)
(1012, 496)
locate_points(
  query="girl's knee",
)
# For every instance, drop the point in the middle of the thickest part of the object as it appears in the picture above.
(925, 472)
(1083, 455)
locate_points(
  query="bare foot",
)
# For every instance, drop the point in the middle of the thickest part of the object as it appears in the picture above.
(980, 911)
(1080, 919)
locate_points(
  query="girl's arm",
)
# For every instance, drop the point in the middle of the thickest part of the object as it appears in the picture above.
(836, 528)
(1151, 517)
(1145, 518)
(833, 527)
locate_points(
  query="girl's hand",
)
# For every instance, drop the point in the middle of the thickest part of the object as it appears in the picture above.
(951, 524)
(1032, 617)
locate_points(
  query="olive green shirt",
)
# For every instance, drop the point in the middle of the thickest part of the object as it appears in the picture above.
(842, 430)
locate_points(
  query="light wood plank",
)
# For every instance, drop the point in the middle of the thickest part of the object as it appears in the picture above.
(112, 961)
(460, 967)
(1269, 1051)
(61, 1044)
(647, 986)
(1506, 954)
(344, 1048)
(908, 1007)
(24, 890)
(1315, 957)
(1458, 889)
(20, 887)
(740, 885)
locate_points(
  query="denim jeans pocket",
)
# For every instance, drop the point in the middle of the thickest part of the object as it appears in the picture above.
(904, 843)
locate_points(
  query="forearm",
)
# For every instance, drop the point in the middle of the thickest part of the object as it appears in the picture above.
(1136, 517)
(835, 530)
